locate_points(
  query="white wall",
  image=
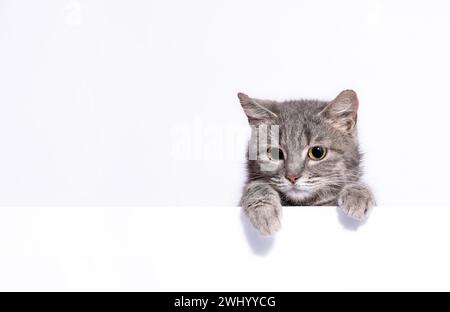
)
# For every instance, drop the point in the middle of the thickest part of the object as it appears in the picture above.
(93, 94)
(215, 249)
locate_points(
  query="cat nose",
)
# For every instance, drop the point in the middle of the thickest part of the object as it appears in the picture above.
(292, 178)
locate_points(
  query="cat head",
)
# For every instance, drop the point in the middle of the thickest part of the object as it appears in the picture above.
(306, 149)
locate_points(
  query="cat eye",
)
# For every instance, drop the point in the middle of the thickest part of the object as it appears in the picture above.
(275, 153)
(317, 152)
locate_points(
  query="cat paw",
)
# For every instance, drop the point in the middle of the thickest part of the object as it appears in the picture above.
(265, 217)
(356, 201)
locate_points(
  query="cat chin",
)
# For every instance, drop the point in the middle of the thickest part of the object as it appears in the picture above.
(298, 195)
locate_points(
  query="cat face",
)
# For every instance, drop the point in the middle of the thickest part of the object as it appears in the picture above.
(307, 149)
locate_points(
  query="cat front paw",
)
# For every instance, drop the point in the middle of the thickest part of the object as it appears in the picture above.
(265, 217)
(356, 200)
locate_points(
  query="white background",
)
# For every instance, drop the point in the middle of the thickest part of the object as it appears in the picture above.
(93, 94)
(133, 103)
(215, 249)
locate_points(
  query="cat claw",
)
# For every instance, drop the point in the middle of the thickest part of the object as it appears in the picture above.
(266, 219)
(356, 201)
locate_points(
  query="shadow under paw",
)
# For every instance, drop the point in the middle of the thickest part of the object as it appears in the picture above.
(260, 245)
(347, 222)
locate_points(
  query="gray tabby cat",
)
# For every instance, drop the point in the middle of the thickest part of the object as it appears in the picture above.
(303, 153)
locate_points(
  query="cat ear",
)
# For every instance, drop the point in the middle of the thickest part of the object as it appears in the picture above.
(258, 111)
(342, 111)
